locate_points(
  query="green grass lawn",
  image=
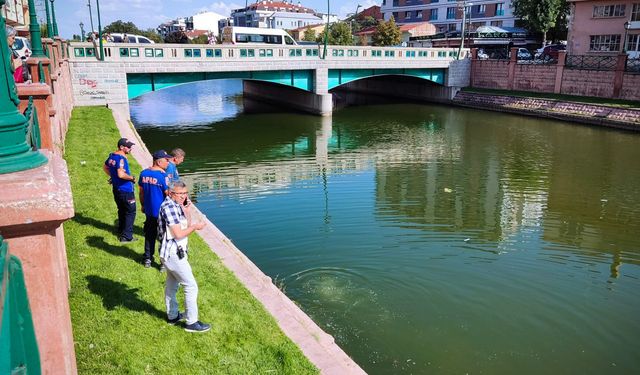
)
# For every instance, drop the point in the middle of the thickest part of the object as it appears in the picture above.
(628, 104)
(117, 306)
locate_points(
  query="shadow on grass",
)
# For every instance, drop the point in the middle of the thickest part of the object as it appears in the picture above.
(116, 294)
(110, 228)
(123, 251)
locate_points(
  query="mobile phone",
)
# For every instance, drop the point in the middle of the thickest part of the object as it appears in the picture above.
(186, 202)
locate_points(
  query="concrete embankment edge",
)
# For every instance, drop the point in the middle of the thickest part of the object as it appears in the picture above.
(580, 113)
(316, 344)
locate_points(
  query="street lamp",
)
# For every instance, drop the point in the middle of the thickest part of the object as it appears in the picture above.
(34, 31)
(90, 16)
(49, 28)
(53, 19)
(464, 4)
(627, 25)
(100, 31)
(326, 32)
(81, 31)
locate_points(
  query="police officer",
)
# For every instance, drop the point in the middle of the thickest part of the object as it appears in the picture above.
(117, 167)
(153, 184)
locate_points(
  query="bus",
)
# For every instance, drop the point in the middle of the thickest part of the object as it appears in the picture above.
(255, 35)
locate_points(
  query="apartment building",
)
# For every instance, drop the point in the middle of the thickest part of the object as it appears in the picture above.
(446, 15)
(16, 14)
(604, 27)
(264, 14)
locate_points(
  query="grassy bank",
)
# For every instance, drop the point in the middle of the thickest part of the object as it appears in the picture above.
(117, 306)
(628, 104)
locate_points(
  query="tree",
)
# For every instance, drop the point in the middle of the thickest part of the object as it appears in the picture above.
(177, 37)
(340, 34)
(309, 35)
(120, 26)
(386, 34)
(539, 15)
(200, 39)
(152, 34)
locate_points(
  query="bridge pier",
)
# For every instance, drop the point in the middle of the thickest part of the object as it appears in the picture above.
(299, 100)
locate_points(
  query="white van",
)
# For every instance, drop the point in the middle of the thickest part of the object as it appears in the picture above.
(255, 35)
(22, 47)
(131, 38)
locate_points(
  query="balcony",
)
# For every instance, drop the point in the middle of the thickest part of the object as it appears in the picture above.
(500, 12)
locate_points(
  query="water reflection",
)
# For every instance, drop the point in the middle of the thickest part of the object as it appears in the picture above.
(428, 238)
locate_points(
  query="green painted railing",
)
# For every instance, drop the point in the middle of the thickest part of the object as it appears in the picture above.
(18, 346)
(33, 126)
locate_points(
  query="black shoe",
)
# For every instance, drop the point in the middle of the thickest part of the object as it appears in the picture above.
(197, 327)
(124, 240)
(147, 263)
(177, 319)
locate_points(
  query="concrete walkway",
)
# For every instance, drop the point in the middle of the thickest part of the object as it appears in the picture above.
(316, 344)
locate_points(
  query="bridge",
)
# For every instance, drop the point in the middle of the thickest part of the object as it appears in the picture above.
(294, 75)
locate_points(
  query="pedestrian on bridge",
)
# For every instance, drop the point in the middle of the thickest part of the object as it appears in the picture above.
(154, 186)
(122, 181)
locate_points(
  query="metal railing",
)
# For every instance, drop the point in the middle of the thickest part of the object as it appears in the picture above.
(587, 62)
(632, 66)
(33, 127)
(18, 346)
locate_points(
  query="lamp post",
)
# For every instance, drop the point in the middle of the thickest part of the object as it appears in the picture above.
(49, 27)
(34, 31)
(100, 31)
(326, 32)
(462, 3)
(627, 24)
(90, 16)
(15, 153)
(354, 20)
(81, 31)
(53, 19)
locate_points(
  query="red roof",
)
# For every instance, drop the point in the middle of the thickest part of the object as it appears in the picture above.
(278, 6)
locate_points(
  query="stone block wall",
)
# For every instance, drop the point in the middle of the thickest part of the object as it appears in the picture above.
(538, 78)
(490, 74)
(630, 87)
(588, 83)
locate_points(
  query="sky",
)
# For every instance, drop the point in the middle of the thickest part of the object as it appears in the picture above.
(151, 13)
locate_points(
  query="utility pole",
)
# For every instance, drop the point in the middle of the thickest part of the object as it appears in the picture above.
(49, 27)
(34, 31)
(100, 31)
(90, 16)
(463, 4)
(326, 32)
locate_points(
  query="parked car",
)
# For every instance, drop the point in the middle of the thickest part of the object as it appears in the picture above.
(524, 54)
(131, 38)
(551, 51)
(22, 47)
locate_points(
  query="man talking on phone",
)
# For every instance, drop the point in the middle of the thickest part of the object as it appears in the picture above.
(174, 227)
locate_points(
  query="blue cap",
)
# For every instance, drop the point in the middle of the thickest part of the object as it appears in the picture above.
(161, 154)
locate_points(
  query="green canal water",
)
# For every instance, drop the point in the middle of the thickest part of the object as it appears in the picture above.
(426, 239)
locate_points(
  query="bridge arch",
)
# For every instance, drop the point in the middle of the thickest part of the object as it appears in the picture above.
(339, 77)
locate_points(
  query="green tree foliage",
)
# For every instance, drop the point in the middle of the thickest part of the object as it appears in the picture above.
(309, 35)
(539, 15)
(200, 39)
(152, 34)
(340, 34)
(120, 26)
(177, 37)
(387, 33)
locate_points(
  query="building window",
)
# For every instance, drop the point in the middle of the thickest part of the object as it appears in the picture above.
(395, 16)
(496, 23)
(407, 15)
(635, 12)
(633, 42)
(451, 13)
(482, 9)
(434, 15)
(396, 3)
(434, 1)
(419, 14)
(604, 43)
(500, 9)
(609, 11)
(453, 26)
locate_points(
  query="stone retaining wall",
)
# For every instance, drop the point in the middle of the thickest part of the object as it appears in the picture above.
(593, 114)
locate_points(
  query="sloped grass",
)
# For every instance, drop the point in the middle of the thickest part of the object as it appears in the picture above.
(117, 306)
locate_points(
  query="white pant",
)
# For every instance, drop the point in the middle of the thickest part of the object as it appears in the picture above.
(179, 273)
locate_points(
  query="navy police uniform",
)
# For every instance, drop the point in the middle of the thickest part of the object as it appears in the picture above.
(122, 191)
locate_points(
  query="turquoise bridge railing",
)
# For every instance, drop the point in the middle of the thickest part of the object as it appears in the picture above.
(18, 346)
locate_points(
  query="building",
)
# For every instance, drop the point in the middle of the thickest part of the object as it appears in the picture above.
(16, 14)
(446, 15)
(598, 28)
(298, 34)
(278, 15)
(407, 31)
(206, 21)
(373, 12)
